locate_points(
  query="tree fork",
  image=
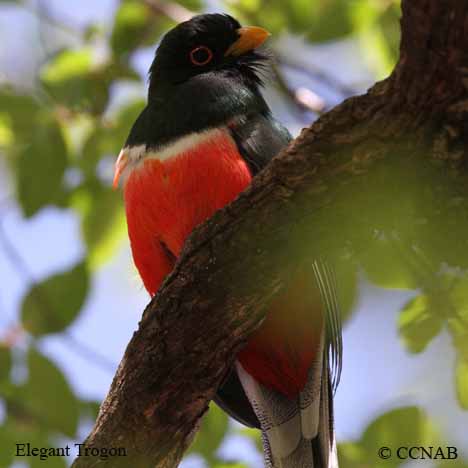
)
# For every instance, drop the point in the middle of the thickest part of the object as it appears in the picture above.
(180, 353)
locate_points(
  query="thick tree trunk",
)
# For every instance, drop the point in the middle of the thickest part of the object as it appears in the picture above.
(324, 195)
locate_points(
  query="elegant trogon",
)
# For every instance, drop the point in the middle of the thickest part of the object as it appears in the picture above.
(205, 132)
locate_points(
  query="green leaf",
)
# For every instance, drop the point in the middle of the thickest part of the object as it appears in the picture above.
(108, 140)
(20, 109)
(52, 305)
(103, 225)
(401, 427)
(461, 378)
(376, 51)
(40, 167)
(21, 428)
(130, 22)
(386, 266)
(351, 455)
(248, 11)
(330, 20)
(250, 7)
(6, 130)
(299, 13)
(459, 299)
(419, 323)
(213, 429)
(459, 331)
(5, 362)
(97, 144)
(118, 71)
(394, 429)
(48, 398)
(389, 23)
(458, 316)
(67, 65)
(74, 80)
(193, 5)
(18, 106)
(320, 21)
(135, 26)
(8, 439)
(38, 411)
(444, 239)
(124, 119)
(89, 409)
(364, 13)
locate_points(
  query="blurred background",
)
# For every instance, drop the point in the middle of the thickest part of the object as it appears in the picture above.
(73, 78)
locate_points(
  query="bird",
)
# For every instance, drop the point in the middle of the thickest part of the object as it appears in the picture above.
(205, 132)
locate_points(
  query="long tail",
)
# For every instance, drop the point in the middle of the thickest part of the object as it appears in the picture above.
(299, 432)
(296, 433)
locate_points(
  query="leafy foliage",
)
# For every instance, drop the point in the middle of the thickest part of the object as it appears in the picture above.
(374, 22)
(418, 323)
(42, 160)
(28, 415)
(393, 429)
(212, 432)
(135, 26)
(50, 306)
(56, 394)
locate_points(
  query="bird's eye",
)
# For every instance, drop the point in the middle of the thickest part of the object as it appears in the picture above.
(201, 55)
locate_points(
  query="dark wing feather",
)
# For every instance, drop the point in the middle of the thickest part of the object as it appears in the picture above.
(231, 398)
(258, 139)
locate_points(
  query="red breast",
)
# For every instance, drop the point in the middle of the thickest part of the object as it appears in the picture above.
(167, 194)
(167, 198)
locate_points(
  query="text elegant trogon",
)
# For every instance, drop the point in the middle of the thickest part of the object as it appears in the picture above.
(205, 132)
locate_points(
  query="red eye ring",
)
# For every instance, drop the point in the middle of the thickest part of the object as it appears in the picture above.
(197, 50)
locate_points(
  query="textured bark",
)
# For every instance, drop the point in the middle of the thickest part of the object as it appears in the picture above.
(234, 263)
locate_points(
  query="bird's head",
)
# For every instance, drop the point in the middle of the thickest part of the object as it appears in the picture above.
(213, 44)
(206, 73)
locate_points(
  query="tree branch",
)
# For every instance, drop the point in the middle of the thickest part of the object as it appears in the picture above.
(313, 199)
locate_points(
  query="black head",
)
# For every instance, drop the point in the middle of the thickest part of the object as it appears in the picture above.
(205, 73)
(207, 43)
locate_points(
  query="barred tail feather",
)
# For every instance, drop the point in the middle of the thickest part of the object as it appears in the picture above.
(299, 432)
(309, 398)
(294, 435)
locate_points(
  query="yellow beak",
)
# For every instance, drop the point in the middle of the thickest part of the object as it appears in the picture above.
(250, 37)
(120, 165)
